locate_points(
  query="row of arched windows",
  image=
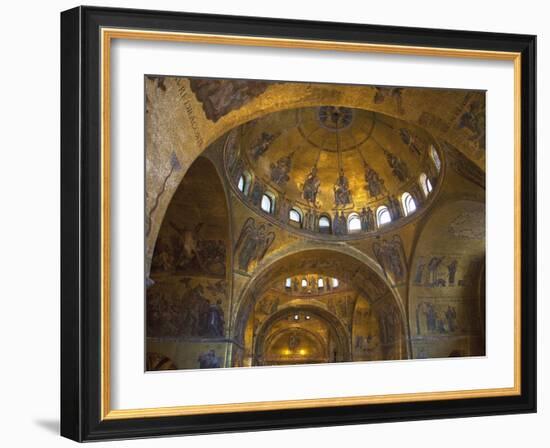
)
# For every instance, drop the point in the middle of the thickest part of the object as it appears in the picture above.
(354, 224)
(304, 284)
(267, 202)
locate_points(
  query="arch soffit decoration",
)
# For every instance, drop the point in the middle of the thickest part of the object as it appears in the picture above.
(249, 293)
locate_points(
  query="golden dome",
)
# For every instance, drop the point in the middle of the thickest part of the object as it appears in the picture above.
(330, 160)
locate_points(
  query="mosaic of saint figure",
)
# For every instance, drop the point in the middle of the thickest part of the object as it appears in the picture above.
(394, 207)
(411, 140)
(262, 145)
(190, 314)
(364, 218)
(451, 267)
(284, 207)
(375, 185)
(310, 220)
(371, 224)
(339, 224)
(209, 360)
(389, 324)
(342, 194)
(335, 117)
(399, 168)
(221, 96)
(293, 341)
(435, 320)
(280, 170)
(269, 305)
(433, 272)
(216, 320)
(311, 187)
(420, 271)
(253, 243)
(256, 193)
(391, 256)
(450, 316)
(474, 120)
(393, 93)
(185, 250)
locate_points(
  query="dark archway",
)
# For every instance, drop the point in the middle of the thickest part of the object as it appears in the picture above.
(188, 296)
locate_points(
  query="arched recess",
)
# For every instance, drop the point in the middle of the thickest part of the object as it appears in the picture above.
(188, 295)
(307, 348)
(336, 261)
(340, 352)
(366, 273)
(445, 284)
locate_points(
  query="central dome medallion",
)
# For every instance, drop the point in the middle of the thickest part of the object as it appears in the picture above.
(332, 161)
(335, 118)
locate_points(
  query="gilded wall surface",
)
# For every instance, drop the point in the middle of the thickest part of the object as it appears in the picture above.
(291, 223)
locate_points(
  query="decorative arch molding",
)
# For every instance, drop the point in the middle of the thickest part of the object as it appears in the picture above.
(250, 293)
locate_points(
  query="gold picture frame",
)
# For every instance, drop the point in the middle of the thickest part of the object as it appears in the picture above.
(109, 26)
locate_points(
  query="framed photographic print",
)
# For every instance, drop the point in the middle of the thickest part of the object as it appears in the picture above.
(275, 224)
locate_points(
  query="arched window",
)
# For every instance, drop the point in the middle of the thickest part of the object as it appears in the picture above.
(288, 283)
(335, 283)
(435, 157)
(324, 224)
(295, 215)
(240, 185)
(304, 283)
(409, 206)
(383, 215)
(320, 283)
(244, 183)
(425, 184)
(267, 203)
(354, 223)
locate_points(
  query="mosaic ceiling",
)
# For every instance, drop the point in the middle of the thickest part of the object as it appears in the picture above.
(330, 159)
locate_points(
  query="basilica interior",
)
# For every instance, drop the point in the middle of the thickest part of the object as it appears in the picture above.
(301, 223)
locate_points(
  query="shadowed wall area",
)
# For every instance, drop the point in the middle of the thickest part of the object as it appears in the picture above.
(343, 228)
